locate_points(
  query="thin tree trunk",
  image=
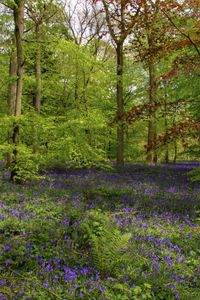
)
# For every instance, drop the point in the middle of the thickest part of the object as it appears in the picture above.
(38, 73)
(166, 127)
(109, 144)
(167, 153)
(11, 94)
(76, 91)
(152, 130)
(84, 93)
(12, 84)
(175, 144)
(19, 28)
(38, 81)
(120, 104)
(175, 151)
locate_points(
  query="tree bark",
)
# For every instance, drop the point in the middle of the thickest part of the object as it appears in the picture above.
(120, 104)
(152, 130)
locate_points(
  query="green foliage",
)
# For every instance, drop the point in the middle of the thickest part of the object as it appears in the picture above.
(107, 242)
(27, 165)
(194, 175)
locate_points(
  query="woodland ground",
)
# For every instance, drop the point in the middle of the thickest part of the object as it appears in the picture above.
(129, 233)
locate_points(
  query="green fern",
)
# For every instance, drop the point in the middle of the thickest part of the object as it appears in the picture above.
(108, 243)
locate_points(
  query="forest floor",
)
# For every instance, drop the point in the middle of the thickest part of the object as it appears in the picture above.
(86, 234)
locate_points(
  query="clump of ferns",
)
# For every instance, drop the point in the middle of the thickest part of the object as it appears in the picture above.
(107, 243)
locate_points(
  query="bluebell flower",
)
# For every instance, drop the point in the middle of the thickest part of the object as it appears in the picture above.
(2, 282)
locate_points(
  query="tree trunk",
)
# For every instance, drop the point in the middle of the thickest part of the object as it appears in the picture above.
(167, 154)
(76, 91)
(38, 84)
(38, 73)
(166, 127)
(175, 151)
(12, 84)
(175, 141)
(120, 104)
(109, 145)
(19, 28)
(152, 130)
(11, 94)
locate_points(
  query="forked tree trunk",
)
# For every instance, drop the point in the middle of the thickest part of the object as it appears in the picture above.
(120, 104)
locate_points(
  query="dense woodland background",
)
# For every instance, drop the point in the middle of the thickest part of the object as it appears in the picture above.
(87, 82)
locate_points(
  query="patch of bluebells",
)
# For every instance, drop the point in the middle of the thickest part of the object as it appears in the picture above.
(39, 232)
